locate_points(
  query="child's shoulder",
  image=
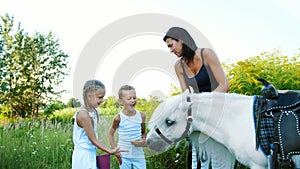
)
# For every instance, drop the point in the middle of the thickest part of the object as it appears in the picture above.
(117, 117)
(143, 115)
(82, 112)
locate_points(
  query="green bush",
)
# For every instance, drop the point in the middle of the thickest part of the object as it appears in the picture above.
(280, 70)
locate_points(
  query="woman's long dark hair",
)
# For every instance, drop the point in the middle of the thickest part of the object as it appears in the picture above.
(189, 46)
(187, 53)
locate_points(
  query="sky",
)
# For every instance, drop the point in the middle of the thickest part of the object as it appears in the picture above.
(235, 29)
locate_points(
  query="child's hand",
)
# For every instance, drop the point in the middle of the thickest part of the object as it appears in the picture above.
(139, 143)
(117, 150)
(118, 155)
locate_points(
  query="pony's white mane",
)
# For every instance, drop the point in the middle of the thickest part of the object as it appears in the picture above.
(164, 109)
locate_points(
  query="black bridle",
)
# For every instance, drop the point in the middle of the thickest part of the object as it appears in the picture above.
(187, 127)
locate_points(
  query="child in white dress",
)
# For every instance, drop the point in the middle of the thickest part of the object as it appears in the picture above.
(85, 128)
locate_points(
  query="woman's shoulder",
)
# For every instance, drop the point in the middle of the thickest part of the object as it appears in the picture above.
(209, 55)
(178, 66)
(206, 51)
(178, 62)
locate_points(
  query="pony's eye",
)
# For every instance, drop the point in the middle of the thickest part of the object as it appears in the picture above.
(169, 122)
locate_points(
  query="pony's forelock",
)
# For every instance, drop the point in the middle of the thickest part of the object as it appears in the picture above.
(164, 110)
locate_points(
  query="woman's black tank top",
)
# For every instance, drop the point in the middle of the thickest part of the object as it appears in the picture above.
(204, 81)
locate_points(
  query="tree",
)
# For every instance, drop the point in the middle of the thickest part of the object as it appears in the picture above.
(54, 105)
(110, 106)
(280, 70)
(111, 101)
(73, 103)
(31, 67)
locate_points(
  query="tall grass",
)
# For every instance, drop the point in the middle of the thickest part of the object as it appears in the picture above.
(40, 143)
(35, 144)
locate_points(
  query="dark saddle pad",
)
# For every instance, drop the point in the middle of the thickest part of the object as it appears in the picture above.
(286, 109)
(290, 100)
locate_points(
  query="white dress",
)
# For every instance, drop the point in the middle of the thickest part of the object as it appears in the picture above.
(84, 154)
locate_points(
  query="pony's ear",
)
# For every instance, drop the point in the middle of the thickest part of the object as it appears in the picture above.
(185, 93)
(185, 105)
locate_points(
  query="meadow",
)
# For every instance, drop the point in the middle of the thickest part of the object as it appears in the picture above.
(40, 143)
(36, 144)
(47, 143)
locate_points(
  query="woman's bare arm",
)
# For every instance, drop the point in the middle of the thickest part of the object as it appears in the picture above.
(213, 62)
(179, 73)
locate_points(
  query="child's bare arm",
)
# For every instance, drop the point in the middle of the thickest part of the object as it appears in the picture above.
(84, 121)
(143, 125)
(142, 142)
(112, 130)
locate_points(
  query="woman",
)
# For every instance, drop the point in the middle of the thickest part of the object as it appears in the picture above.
(199, 70)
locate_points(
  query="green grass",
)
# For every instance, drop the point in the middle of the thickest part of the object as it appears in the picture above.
(48, 144)
(35, 144)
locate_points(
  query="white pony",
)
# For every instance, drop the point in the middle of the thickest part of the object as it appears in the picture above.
(227, 118)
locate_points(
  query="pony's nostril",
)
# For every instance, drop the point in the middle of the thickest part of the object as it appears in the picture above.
(148, 141)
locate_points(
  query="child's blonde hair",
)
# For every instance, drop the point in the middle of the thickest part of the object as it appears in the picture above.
(89, 87)
(125, 87)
